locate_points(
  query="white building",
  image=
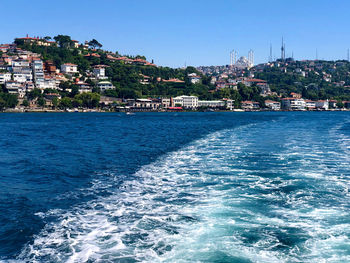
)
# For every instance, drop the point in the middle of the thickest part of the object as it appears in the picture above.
(20, 63)
(194, 78)
(273, 105)
(100, 72)
(146, 104)
(4, 77)
(48, 83)
(69, 68)
(190, 102)
(16, 88)
(84, 89)
(22, 78)
(293, 104)
(250, 105)
(105, 85)
(310, 104)
(38, 72)
(322, 104)
(29, 86)
(211, 103)
(166, 102)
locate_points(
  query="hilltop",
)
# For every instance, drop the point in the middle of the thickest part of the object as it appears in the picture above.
(61, 73)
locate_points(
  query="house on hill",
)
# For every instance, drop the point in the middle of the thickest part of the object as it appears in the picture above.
(69, 68)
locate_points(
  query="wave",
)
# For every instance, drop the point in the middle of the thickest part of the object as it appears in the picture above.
(233, 196)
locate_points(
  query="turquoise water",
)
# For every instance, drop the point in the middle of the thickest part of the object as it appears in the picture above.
(185, 187)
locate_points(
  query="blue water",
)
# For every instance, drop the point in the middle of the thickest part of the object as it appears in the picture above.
(175, 187)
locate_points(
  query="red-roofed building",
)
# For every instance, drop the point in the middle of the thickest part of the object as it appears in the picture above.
(76, 43)
(250, 82)
(250, 105)
(295, 95)
(273, 105)
(173, 81)
(92, 55)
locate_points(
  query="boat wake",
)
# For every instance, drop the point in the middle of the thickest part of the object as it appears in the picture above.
(234, 196)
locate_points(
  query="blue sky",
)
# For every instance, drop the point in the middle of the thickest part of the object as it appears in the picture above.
(186, 31)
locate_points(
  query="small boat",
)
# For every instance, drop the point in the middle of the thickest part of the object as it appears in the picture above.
(129, 113)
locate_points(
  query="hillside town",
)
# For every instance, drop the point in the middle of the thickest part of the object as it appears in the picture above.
(48, 80)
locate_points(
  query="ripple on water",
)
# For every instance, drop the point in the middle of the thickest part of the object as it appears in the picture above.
(229, 197)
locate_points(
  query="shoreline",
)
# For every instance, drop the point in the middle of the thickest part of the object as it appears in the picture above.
(184, 111)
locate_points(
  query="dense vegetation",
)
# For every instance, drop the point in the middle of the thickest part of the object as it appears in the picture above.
(125, 77)
(313, 86)
(7, 100)
(283, 79)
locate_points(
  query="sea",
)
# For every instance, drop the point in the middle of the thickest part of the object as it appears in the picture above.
(175, 187)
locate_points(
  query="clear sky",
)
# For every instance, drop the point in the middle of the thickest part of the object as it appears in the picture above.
(197, 33)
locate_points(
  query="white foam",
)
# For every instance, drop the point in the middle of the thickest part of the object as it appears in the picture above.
(200, 200)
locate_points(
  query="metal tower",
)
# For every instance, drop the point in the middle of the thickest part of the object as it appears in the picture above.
(283, 51)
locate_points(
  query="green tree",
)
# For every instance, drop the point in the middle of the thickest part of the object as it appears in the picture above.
(65, 103)
(64, 41)
(94, 44)
(11, 100)
(25, 103)
(89, 100)
(55, 102)
(2, 104)
(41, 102)
(35, 93)
(340, 105)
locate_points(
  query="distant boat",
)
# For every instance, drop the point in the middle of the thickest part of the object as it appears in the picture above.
(129, 113)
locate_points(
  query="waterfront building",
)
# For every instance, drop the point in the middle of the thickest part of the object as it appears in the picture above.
(250, 105)
(166, 102)
(322, 104)
(188, 102)
(144, 104)
(310, 104)
(293, 104)
(332, 104)
(211, 103)
(273, 105)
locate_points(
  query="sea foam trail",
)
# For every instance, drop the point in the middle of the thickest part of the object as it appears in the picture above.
(235, 196)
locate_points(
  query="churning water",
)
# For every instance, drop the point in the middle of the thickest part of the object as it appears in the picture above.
(211, 187)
